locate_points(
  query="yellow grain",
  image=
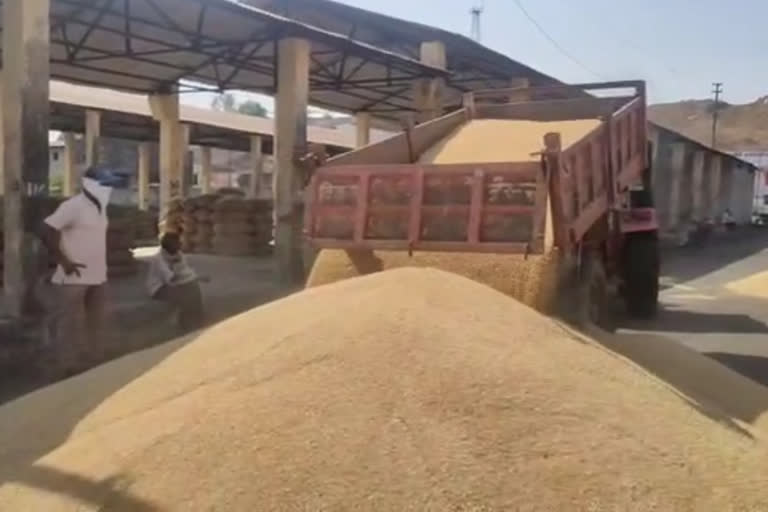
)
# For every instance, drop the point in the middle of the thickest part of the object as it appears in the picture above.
(409, 390)
(503, 140)
(532, 280)
(755, 285)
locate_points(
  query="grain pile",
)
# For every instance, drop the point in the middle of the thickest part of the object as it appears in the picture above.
(410, 390)
(755, 286)
(241, 227)
(532, 280)
(503, 140)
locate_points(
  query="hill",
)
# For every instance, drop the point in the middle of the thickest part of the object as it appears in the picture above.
(741, 127)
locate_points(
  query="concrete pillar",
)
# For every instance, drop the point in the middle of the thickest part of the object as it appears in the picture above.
(206, 165)
(715, 181)
(25, 99)
(290, 140)
(428, 93)
(71, 175)
(92, 135)
(165, 109)
(676, 170)
(187, 164)
(699, 159)
(363, 126)
(2, 143)
(144, 165)
(257, 165)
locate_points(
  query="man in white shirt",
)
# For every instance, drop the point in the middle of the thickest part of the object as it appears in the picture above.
(76, 234)
(170, 279)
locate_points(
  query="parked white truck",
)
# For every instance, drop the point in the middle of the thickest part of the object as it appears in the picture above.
(760, 199)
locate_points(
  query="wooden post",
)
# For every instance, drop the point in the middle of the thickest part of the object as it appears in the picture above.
(428, 92)
(290, 140)
(71, 184)
(25, 109)
(206, 164)
(363, 126)
(92, 135)
(699, 159)
(165, 109)
(676, 169)
(144, 164)
(257, 165)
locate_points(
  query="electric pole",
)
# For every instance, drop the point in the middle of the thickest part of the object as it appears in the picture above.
(476, 12)
(717, 90)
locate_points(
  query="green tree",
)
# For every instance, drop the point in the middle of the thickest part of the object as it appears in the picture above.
(252, 108)
(225, 102)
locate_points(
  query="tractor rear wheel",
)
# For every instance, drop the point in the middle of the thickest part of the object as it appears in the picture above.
(641, 274)
(588, 300)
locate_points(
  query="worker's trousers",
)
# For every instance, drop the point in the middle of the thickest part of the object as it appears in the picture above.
(73, 331)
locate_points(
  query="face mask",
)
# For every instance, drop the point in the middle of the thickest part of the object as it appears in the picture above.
(98, 191)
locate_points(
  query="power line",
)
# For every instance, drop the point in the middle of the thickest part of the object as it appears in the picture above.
(554, 42)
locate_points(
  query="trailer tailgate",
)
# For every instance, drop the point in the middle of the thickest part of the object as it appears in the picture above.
(491, 207)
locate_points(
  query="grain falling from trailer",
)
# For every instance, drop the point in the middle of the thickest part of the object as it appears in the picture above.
(408, 390)
(532, 280)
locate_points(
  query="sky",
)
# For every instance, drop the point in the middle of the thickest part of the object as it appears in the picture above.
(678, 46)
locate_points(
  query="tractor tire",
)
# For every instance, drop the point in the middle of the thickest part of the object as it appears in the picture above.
(588, 301)
(641, 274)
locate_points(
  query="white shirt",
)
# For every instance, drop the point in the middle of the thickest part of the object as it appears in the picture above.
(165, 269)
(83, 239)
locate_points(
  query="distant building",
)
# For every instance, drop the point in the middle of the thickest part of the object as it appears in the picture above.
(760, 198)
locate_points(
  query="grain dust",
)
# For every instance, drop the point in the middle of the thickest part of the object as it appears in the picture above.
(407, 390)
(531, 280)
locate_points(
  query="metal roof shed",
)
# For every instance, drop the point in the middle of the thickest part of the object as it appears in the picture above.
(149, 45)
(472, 65)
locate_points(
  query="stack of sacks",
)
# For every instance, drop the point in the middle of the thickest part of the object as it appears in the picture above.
(146, 226)
(172, 220)
(241, 227)
(121, 238)
(197, 230)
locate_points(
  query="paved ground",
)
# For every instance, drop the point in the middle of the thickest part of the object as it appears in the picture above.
(698, 311)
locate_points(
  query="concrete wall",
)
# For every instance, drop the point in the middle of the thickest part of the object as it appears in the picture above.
(677, 211)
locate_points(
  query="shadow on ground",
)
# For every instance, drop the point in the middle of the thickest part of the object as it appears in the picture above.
(688, 263)
(712, 388)
(36, 425)
(45, 419)
(672, 319)
(752, 367)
